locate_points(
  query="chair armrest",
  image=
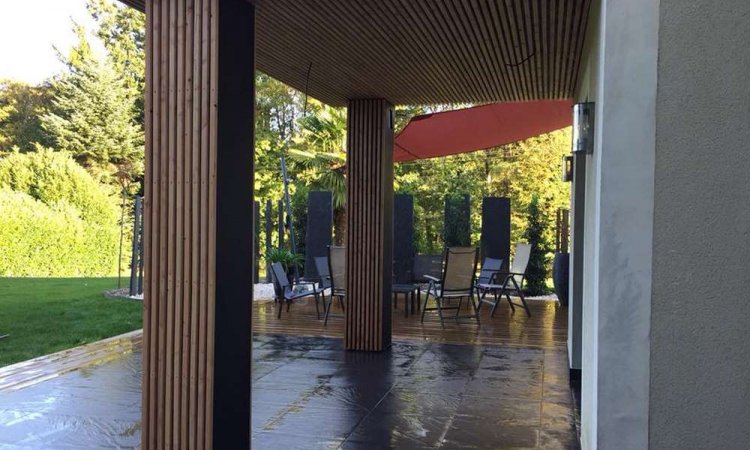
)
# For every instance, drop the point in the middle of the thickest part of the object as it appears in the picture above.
(431, 278)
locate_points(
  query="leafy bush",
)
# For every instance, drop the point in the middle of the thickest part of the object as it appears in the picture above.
(41, 240)
(287, 259)
(56, 180)
(536, 272)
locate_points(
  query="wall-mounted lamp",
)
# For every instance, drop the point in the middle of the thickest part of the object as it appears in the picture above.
(567, 168)
(583, 128)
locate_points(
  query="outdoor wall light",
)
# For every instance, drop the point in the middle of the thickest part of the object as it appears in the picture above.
(567, 168)
(583, 128)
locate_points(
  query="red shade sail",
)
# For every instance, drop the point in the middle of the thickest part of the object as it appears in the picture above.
(479, 128)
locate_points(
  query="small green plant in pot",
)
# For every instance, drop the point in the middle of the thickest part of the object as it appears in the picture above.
(288, 260)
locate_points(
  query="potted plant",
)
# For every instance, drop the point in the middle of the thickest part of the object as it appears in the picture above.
(288, 260)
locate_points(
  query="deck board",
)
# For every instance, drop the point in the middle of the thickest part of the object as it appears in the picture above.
(547, 326)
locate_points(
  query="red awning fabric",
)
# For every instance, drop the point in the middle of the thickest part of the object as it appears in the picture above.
(479, 128)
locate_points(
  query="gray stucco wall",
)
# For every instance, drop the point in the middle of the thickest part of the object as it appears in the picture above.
(619, 75)
(700, 322)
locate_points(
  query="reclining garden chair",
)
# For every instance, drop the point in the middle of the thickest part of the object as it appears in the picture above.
(457, 281)
(337, 278)
(505, 284)
(487, 274)
(291, 292)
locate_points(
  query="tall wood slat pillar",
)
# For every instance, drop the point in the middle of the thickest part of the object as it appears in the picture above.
(369, 236)
(198, 213)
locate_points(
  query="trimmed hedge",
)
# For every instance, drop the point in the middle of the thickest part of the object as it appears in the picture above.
(40, 240)
(54, 178)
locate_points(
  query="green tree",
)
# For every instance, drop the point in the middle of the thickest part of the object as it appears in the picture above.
(21, 106)
(320, 157)
(122, 30)
(536, 272)
(92, 117)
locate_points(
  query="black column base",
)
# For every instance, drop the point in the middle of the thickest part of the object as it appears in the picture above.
(574, 375)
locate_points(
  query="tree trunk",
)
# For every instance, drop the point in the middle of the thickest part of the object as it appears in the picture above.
(339, 226)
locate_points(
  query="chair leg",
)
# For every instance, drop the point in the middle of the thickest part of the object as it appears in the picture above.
(341, 303)
(424, 308)
(510, 301)
(523, 298)
(438, 301)
(503, 290)
(328, 309)
(317, 308)
(288, 305)
(281, 306)
(458, 310)
(476, 305)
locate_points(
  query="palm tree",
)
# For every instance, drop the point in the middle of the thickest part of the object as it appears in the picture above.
(320, 154)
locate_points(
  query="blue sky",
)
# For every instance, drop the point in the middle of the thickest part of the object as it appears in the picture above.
(29, 28)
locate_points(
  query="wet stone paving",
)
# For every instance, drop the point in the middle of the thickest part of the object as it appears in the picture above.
(309, 394)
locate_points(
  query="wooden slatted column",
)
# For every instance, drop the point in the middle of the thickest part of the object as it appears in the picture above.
(198, 213)
(369, 224)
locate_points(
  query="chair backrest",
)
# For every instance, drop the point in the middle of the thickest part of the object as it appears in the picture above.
(521, 258)
(324, 272)
(278, 273)
(337, 267)
(490, 267)
(431, 265)
(460, 268)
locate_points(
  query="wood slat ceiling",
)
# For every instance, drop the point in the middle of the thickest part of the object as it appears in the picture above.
(422, 51)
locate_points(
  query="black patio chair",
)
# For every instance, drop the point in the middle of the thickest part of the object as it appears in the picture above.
(505, 284)
(456, 281)
(337, 277)
(426, 268)
(293, 291)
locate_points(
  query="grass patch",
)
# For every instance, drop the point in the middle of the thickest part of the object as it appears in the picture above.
(46, 315)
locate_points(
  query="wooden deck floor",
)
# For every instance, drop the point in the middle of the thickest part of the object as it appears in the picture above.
(547, 326)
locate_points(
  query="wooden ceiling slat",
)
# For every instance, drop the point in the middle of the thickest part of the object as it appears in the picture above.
(422, 51)
(440, 78)
(436, 50)
(571, 34)
(474, 25)
(481, 18)
(445, 49)
(526, 48)
(499, 31)
(531, 43)
(559, 27)
(579, 46)
(365, 31)
(468, 46)
(549, 44)
(456, 59)
(301, 31)
(512, 51)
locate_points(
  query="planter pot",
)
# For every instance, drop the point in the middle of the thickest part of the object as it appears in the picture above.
(561, 276)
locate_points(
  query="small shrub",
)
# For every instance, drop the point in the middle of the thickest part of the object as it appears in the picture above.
(536, 272)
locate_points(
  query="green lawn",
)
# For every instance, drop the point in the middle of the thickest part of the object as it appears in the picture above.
(46, 315)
